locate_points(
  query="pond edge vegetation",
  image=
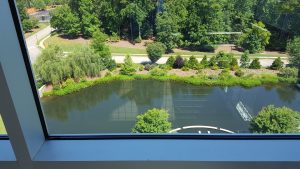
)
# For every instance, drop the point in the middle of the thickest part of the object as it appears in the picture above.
(70, 86)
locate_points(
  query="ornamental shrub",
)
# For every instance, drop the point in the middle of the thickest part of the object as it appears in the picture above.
(277, 64)
(179, 62)
(255, 64)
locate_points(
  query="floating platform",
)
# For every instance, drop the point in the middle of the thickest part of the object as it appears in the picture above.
(298, 85)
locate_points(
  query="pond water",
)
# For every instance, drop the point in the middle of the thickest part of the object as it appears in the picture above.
(113, 107)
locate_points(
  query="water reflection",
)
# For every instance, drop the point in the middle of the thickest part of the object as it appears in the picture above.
(113, 107)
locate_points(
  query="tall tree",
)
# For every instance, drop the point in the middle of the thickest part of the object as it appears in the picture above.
(255, 38)
(134, 13)
(293, 49)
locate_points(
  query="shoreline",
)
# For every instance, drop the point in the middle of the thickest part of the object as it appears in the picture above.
(194, 80)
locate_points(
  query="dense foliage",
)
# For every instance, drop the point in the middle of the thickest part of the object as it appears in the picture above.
(293, 49)
(27, 23)
(155, 51)
(255, 39)
(54, 67)
(153, 121)
(276, 120)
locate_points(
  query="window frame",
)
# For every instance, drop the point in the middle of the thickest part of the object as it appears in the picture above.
(31, 149)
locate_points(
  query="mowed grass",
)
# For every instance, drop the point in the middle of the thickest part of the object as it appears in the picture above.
(124, 50)
(2, 128)
(70, 45)
(40, 27)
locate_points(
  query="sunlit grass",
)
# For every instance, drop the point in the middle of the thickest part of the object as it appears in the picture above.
(2, 128)
(70, 45)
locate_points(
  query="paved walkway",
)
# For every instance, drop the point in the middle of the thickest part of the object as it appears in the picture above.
(32, 43)
(34, 51)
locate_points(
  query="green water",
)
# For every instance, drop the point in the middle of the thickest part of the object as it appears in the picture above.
(113, 107)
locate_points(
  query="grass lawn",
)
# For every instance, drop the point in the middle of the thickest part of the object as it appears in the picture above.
(2, 128)
(70, 45)
(125, 50)
(40, 27)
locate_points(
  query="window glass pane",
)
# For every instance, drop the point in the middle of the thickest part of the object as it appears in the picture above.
(184, 66)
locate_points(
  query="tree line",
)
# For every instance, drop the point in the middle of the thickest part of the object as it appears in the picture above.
(182, 23)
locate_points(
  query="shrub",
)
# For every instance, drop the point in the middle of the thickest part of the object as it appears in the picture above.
(204, 62)
(234, 64)
(212, 62)
(158, 72)
(170, 61)
(224, 74)
(153, 121)
(192, 63)
(141, 67)
(255, 64)
(128, 68)
(288, 72)
(137, 40)
(245, 60)
(114, 37)
(224, 60)
(155, 51)
(179, 62)
(277, 64)
(165, 67)
(239, 73)
(275, 120)
(149, 67)
(185, 69)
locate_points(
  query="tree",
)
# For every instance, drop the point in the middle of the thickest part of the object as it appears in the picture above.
(98, 44)
(167, 31)
(275, 120)
(245, 60)
(155, 51)
(128, 68)
(65, 21)
(89, 21)
(277, 64)
(255, 39)
(39, 4)
(293, 49)
(50, 67)
(255, 64)
(153, 121)
(133, 12)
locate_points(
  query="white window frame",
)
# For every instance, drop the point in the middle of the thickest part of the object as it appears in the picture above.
(29, 148)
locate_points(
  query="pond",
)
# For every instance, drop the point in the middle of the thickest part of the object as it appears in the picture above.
(113, 107)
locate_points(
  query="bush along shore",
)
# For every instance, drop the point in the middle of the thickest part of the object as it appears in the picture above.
(70, 86)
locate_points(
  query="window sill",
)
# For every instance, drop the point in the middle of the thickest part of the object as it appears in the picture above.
(170, 150)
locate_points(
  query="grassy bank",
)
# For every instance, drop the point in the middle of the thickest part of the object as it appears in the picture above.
(247, 81)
